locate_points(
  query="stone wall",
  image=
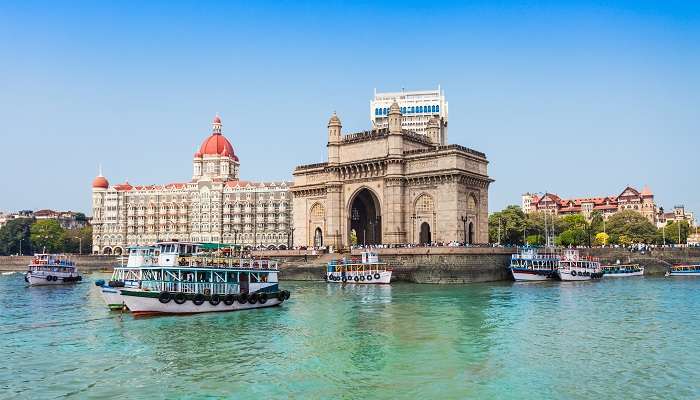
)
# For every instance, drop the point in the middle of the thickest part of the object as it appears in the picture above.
(84, 263)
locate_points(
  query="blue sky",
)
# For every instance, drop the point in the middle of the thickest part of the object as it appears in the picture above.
(575, 98)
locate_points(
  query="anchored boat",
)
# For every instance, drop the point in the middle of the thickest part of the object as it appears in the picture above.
(202, 277)
(574, 267)
(530, 265)
(52, 269)
(127, 276)
(684, 270)
(622, 270)
(367, 270)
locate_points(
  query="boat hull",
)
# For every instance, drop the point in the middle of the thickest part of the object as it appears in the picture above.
(566, 275)
(530, 276)
(140, 305)
(112, 297)
(694, 273)
(624, 274)
(362, 279)
(43, 280)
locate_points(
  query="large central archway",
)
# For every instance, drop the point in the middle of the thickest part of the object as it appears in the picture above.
(365, 218)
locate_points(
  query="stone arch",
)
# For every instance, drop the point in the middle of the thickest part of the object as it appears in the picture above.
(117, 250)
(317, 221)
(107, 250)
(364, 215)
(318, 237)
(472, 204)
(424, 218)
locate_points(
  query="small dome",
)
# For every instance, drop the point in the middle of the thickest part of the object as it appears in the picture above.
(335, 121)
(394, 108)
(216, 144)
(100, 183)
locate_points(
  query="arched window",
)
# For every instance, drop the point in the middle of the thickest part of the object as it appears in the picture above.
(424, 205)
(317, 213)
(471, 204)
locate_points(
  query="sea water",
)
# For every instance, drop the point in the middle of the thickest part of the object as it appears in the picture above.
(625, 338)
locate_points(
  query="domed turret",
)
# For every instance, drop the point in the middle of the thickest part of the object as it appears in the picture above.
(100, 182)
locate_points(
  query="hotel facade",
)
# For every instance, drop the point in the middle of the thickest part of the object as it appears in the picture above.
(214, 206)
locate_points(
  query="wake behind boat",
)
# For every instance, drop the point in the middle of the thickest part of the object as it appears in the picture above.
(52, 269)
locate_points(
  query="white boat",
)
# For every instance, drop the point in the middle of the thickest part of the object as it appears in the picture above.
(684, 270)
(529, 265)
(127, 276)
(367, 270)
(622, 270)
(573, 267)
(52, 269)
(201, 277)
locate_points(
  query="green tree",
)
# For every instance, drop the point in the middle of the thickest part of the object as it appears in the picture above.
(47, 235)
(512, 223)
(633, 226)
(596, 222)
(73, 238)
(11, 234)
(671, 232)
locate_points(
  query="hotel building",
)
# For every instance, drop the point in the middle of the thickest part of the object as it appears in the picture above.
(417, 108)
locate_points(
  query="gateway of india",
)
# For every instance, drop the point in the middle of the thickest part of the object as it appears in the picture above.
(399, 182)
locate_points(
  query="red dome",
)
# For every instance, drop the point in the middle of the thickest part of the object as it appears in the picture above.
(100, 183)
(217, 144)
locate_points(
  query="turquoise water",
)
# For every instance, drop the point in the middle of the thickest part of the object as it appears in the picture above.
(631, 338)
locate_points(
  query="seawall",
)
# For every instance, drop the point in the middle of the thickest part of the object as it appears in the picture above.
(450, 265)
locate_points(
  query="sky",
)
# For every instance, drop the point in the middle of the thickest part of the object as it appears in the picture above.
(575, 98)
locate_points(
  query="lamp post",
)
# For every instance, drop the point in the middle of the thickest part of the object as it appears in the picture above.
(20, 246)
(80, 244)
(464, 222)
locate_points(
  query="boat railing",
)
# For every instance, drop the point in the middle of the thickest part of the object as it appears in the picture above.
(191, 287)
(223, 262)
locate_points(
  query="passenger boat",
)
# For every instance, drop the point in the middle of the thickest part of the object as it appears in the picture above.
(194, 278)
(573, 267)
(367, 270)
(529, 265)
(128, 275)
(622, 270)
(52, 269)
(684, 270)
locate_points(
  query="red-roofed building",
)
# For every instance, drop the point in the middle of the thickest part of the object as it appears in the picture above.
(215, 206)
(629, 199)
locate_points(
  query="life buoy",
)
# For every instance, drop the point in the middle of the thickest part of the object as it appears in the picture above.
(369, 277)
(262, 298)
(164, 297)
(180, 298)
(242, 298)
(215, 299)
(376, 275)
(356, 279)
(253, 298)
(198, 299)
(573, 273)
(229, 299)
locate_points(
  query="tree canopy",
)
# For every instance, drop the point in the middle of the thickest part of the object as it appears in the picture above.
(11, 234)
(47, 235)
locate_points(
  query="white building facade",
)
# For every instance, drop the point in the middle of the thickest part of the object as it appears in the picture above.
(417, 108)
(215, 206)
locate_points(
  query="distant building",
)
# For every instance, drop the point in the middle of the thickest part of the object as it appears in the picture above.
(6, 217)
(678, 214)
(629, 199)
(215, 206)
(417, 108)
(694, 239)
(67, 219)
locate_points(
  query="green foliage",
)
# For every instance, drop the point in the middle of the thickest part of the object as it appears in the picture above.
(47, 235)
(512, 220)
(671, 233)
(535, 240)
(12, 232)
(631, 227)
(72, 240)
(353, 237)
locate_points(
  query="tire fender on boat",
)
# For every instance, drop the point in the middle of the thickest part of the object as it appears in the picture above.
(369, 277)
(164, 297)
(253, 298)
(229, 299)
(180, 298)
(376, 275)
(280, 296)
(198, 299)
(356, 279)
(345, 279)
(214, 299)
(262, 298)
(573, 273)
(49, 278)
(242, 298)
